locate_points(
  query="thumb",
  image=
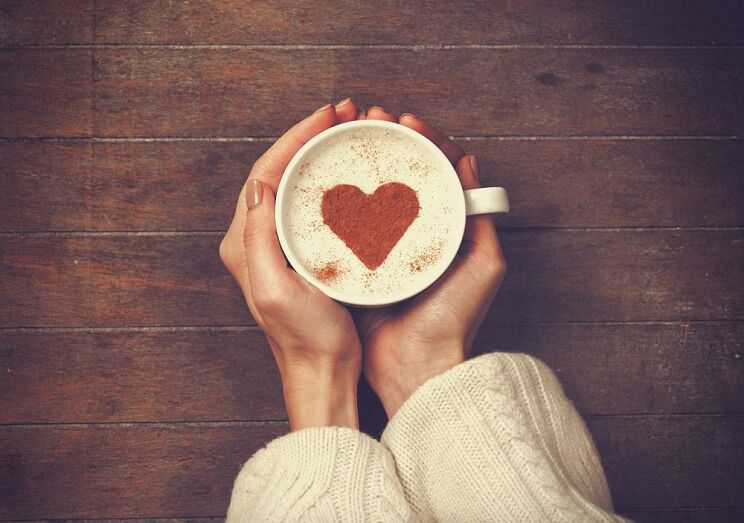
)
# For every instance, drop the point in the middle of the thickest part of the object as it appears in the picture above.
(263, 254)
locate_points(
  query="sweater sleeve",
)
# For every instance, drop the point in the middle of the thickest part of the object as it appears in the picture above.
(319, 474)
(495, 439)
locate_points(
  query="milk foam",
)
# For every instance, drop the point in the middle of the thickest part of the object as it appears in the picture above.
(369, 158)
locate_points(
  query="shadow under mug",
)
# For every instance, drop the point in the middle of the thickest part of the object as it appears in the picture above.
(484, 200)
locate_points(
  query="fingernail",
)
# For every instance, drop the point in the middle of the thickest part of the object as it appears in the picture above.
(253, 193)
(408, 115)
(474, 167)
(376, 107)
(326, 106)
(343, 102)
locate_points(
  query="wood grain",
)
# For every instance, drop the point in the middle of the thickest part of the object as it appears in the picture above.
(652, 368)
(235, 92)
(688, 515)
(682, 461)
(134, 376)
(181, 186)
(46, 22)
(561, 275)
(117, 471)
(415, 22)
(420, 22)
(71, 377)
(31, 101)
(176, 470)
(661, 515)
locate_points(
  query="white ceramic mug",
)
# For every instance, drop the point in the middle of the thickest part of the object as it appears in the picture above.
(464, 203)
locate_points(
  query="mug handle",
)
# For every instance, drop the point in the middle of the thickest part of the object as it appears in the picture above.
(486, 200)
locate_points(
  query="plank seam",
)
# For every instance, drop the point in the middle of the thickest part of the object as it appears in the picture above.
(243, 328)
(284, 422)
(221, 517)
(373, 47)
(633, 415)
(148, 424)
(217, 232)
(271, 139)
(621, 509)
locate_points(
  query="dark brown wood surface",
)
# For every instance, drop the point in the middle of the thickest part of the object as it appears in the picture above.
(108, 471)
(158, 375)
(637, 22)
(169, 91)
(136, 470)
(705, 450)
(132, 382)
(555, 275)
(182, 186)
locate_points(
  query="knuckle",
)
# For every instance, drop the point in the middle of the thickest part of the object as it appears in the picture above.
(270, 299)
(231, 251)
(226, 251)
(495, 265)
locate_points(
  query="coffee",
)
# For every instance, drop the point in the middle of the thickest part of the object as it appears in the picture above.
(371, 212)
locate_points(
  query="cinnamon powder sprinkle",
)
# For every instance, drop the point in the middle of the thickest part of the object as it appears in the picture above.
(426, 258)
(328, 272)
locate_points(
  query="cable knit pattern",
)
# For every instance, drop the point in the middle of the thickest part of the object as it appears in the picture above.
(319, 474)
(495, 439)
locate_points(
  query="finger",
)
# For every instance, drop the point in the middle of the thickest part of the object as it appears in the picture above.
(361, 114)
(378, 113)
(263, 255)
(450, 149)
(346, 111)
(479, 229)
(270, 167)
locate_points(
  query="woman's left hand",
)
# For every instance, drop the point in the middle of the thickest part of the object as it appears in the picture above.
(313, 338)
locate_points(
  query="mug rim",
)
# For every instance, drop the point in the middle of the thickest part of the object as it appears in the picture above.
(352, 298)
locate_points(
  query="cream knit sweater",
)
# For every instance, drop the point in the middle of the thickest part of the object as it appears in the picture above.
(493, 439)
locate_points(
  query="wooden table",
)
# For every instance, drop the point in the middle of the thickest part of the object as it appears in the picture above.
(133, 383)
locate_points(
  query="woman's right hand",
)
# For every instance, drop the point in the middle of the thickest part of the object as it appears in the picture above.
(408, 343)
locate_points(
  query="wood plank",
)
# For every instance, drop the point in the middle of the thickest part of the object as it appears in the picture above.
(630, 275)
(472, 21)
(95, 186)
(84, 186)
(188, 375)
(236, 92)
(677, 461)
(119, 281)
(31, 100)
(667, 22)
(635, 368)
(105, 471)
(560, 275)
(137, 520)
(46, 22)
(173, 470)
(662, 515)
(688, 515)
(165, 376)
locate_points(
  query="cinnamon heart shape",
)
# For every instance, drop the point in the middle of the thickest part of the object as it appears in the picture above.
(370, 224)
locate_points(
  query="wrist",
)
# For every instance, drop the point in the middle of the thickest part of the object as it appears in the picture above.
(397, 379)
(321, 395)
